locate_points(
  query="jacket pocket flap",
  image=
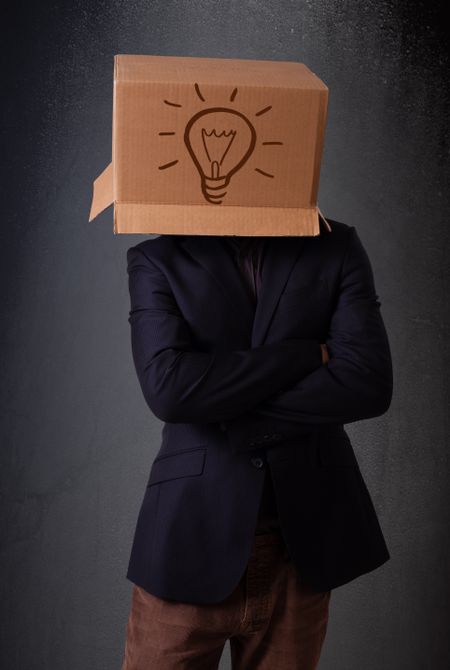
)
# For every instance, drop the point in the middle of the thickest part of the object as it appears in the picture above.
(180, 464)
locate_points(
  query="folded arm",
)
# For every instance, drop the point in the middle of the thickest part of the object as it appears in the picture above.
(357, 381)
(180, 384)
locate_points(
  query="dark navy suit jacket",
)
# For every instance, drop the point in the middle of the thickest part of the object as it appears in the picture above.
(240, 391)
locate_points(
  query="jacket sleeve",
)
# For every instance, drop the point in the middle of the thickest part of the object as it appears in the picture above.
(355, 384)
(181, 384)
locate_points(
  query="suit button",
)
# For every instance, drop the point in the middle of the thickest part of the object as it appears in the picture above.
(257, 462)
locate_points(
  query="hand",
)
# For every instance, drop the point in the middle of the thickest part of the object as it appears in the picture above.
(325, 355)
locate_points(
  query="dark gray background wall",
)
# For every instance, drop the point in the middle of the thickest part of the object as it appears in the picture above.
(77, 437)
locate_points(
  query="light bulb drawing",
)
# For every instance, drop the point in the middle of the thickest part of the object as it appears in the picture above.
(219, 140)
(211, 147)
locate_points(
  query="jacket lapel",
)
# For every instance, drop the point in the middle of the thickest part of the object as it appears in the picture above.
(281, 254)
(210, 252)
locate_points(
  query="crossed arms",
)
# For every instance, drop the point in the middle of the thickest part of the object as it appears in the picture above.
(278, 387)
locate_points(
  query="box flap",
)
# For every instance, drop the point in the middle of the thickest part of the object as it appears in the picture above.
(103, 192)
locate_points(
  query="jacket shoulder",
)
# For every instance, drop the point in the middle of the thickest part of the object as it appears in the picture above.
(157, 248)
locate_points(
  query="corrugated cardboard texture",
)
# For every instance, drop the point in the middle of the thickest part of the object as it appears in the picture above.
(215, 146)
(103, 192)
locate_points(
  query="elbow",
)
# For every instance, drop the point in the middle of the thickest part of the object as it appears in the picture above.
(159, 400)
(383, 400)
(380, 394)
(385, 385)
(163, 406)
(378, 384)
(161, 396)
(167, 406)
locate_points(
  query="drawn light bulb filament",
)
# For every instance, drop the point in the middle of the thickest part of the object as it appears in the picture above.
(214, 147)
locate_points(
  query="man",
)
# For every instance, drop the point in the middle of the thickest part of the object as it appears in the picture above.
(254, 353)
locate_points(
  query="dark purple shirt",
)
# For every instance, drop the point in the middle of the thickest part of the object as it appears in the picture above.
(248, 253)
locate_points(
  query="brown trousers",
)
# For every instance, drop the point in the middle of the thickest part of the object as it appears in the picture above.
(272, 620)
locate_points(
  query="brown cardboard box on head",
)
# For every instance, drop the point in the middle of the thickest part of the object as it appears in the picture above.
(214, 146)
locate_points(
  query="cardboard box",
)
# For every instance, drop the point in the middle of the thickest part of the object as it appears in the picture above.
(214, 146)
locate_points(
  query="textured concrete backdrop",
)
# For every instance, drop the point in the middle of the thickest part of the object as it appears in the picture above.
(77, 437)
